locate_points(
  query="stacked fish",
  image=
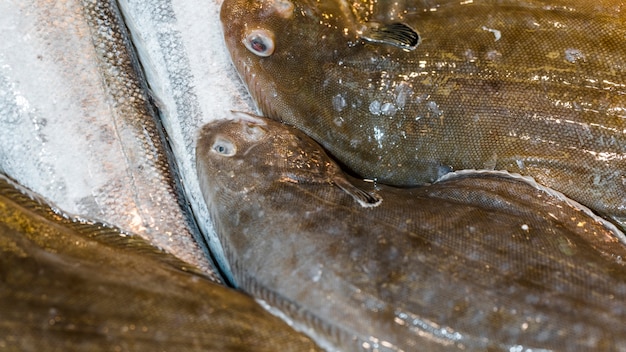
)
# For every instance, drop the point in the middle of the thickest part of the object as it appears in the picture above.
(411, 93)
(414, 94)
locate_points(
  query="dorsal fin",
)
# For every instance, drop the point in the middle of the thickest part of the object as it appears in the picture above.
(396, 34)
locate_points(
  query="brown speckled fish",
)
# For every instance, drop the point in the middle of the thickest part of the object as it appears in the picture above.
(478, 261)
(406, 91)
(70, 284)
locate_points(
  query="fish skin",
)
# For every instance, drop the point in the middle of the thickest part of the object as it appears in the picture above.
(479, 261)
(79, 127)
(69, 283)
(532, 87)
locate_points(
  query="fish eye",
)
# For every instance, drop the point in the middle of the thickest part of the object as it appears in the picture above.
(224, 147)
(260, 42)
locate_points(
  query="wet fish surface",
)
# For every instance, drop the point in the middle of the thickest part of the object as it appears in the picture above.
(477, 261)
(77, 124)
(68, 283)
(404, 92)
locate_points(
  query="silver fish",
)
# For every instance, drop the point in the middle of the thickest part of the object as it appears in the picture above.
(406, 91)
(478, 261)
(181, 49)
(78, 125)
(72, 284)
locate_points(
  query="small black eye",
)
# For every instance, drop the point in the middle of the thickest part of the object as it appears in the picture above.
(260, 42)
(224, 147)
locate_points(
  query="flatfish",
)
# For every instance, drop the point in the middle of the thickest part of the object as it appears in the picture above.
(477, 261)
(72, 284)
(405, 91)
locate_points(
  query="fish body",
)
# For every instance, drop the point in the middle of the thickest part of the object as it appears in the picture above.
(77, 124)
(531, 87)
(73, 284)
(478, 261)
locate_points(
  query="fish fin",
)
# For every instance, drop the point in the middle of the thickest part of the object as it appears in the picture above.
(364, 198)
(396, 34)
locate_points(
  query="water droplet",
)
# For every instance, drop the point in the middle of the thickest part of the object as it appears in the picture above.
(339, 102)
(388, 109)
(375, 107)
(434, 108)
(574, 55)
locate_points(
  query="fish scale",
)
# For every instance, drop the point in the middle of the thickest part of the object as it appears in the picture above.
(72, 283)
(477, 261)
(531, 87)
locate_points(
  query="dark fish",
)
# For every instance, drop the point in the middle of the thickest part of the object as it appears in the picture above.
(405, 91)
(480, 261)
(69, 284)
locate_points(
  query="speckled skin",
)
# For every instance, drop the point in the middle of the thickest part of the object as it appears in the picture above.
(478, 261)
(532, 87)
(71, 284)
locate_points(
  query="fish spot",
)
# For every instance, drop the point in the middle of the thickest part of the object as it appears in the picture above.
(260, 42)
(223, 146)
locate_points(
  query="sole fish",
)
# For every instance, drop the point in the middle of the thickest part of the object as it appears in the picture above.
(478, 261)
(72, 284)
(404, 92)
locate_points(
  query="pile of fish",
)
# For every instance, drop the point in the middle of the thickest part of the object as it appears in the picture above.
(477, 261)
(424, 93)
(364, 226)
(533, 87)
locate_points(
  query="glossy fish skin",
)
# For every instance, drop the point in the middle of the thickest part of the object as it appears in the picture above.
(78, 125)
(480, 261)
(69, 284)
(531, 87)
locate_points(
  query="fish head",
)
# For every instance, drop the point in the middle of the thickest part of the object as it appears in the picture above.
(277, 47)
(248, 153)
(227, 157)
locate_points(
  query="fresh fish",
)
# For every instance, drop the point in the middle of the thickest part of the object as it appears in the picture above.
(478, 261)
(78, 126)
(67, 283)
(403, 92)
(181, 48)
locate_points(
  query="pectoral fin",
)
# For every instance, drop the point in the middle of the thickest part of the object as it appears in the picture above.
(364, 198)
(396, 34)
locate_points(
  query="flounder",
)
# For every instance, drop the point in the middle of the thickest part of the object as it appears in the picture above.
(72, 284)
(478, 261)
(406, 91)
